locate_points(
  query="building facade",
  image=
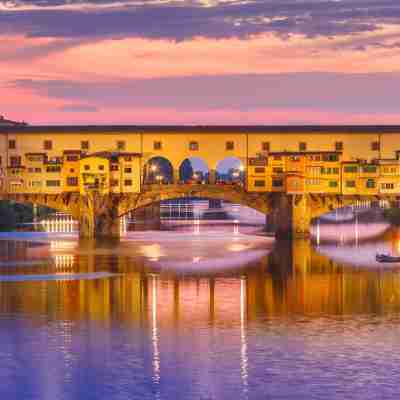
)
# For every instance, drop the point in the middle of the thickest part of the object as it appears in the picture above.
(338, 160)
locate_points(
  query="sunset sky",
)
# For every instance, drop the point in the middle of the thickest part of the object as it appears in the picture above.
(200, 61)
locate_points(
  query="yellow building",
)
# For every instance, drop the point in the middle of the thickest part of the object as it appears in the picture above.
(298, 159)
(94, 173)
(71, 170)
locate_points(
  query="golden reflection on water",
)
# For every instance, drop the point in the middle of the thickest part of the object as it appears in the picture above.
(294, 279)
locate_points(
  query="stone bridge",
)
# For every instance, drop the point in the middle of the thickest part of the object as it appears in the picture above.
(99, 215)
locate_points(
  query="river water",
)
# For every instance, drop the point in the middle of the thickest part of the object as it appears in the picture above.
(202, 314)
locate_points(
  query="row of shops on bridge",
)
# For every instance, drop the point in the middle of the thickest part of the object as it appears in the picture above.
(125, 172)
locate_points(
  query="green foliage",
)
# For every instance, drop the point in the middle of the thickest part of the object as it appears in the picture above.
(14, 214)
(392, 215)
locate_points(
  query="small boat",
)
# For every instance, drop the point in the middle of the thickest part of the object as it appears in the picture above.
(386, 258)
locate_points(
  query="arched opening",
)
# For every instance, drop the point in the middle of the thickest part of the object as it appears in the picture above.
(158, 170)
(193, 170)
(230, 170)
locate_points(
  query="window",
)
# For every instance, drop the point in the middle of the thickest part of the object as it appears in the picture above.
(87, 167)
(114, 182)
(277, 158)
(12, 144)
(157, 145)
(85, 145)
(277, 170)
(114, 167)
(72, 157)
(53, 183)
(36, 183)
(71, 170)
(259, 170)
(302, 146)
(369, 169)
(0, 160)
(128, 182)
(53, 168)
(370, 184)
(265, 146)
(38, 170)
(194, 146)
(121, 145)
(15, 161)
(31, 170)
(229, 145)
(333, 184)
(128, 170)
(350, 184)
(338, 146)
(375, 146)
(350, 169)
(259, 183)
(72, 181)
(330, 157)
(277, 182)
(387, 185)
(48, 145)
(101, 167)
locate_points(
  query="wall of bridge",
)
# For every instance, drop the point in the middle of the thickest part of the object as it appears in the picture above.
(212, 145)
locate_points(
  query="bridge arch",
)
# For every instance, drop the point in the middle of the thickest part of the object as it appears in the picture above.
(230, 170)
(193, 169)
(233, 194)
(158, 170)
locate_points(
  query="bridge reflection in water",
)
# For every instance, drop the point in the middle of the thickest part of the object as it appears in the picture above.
(194, 311)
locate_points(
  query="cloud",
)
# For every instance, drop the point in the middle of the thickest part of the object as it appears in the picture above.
(185, 20)
(80, 108)
(339, 92)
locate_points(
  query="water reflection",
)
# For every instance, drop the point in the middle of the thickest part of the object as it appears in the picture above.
(233, 317)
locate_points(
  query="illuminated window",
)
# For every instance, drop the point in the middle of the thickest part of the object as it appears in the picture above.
(48, 145)
(229, 145)
(157, 145)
